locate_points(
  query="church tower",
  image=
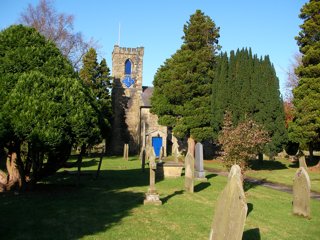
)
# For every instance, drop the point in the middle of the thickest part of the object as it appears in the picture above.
(127, 64)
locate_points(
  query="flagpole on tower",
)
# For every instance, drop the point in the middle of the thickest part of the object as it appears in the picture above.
(119, 35)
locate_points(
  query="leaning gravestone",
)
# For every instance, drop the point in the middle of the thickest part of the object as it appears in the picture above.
(199, 171)
(189, 173)
(231, 210)
(301, 193)
(152, 197)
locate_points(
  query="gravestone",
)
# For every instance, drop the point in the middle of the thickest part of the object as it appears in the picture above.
(302, 162)
(175, 151)
(126, 151)
(189, 173)
(230, 211)
(161, 155)
(199, 173)
(235, 171)
(152, 197)
(301, 193)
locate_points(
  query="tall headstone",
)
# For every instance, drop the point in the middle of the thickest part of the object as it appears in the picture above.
(199, 170)
(126, 152)
(230, 211)
(189, 173)
(152, 197)
(161, 154)
(175, 151)
(235, 171)
(301, 193)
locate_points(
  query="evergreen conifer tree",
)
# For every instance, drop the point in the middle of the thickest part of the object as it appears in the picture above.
(305, 128)
(182, 86)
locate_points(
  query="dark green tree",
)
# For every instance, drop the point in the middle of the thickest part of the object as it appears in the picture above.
(182, 86)
(248, 87)
(44, 108)
(97, 78)
(305, 128)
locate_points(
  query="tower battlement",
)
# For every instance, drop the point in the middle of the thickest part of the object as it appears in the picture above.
(126, 50)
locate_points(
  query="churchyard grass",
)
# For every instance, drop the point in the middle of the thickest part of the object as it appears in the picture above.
(279, 171)
(111, 207)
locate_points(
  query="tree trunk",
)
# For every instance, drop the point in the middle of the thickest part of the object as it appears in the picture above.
(79, 161)
(310, 151)
(15, 168)
(191, 146)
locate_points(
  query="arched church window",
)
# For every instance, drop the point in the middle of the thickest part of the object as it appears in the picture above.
(127, 67)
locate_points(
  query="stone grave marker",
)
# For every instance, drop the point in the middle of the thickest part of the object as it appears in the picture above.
(161, 154)
(152, 197)
(301, 193)
(199, 173)
(230, 211)
(235, 171)
(175, 151)
(189, 173)
(126, 152)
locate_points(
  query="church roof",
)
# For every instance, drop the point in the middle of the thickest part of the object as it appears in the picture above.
(146, 96)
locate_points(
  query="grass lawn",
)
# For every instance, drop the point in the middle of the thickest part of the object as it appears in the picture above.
(278, 171)
(110, 207)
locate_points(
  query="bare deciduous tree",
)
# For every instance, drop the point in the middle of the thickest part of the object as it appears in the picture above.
(292, 78)
(57, 27)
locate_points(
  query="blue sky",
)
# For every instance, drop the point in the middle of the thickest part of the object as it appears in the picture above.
(267, 26)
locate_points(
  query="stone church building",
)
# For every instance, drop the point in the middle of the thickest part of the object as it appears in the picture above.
(133, 123)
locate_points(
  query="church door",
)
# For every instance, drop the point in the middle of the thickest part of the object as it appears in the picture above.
(157, 144)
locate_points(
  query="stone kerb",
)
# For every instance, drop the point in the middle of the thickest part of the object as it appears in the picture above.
(189, 173)
(301, 193)
(231, 209)
(199, 173)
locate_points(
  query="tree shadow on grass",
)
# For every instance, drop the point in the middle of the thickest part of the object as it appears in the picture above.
(252, 183)
(201, 186)
(59, 209)
(266, 165)
(251, 234)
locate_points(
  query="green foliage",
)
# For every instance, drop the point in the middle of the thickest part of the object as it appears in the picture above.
(248, 86)
(241, 143)
(305, 128)
(97, 78)
(42, 103)
(182, 86)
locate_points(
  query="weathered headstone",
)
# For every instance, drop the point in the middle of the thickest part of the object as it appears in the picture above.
(301, 193)
(126, 152)
(152, 197)
(235, 171)
(161, 154)
(302, 162)
(230, 211)
(199, 173)
(189, 173)
(175, 151)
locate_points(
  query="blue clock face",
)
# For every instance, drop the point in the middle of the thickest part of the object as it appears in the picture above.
(128, 81)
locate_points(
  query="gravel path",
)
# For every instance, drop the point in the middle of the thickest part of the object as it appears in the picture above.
(265, 183)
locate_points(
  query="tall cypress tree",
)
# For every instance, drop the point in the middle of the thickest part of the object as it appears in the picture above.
(252, 91)
(182, 86)
(305, 127)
